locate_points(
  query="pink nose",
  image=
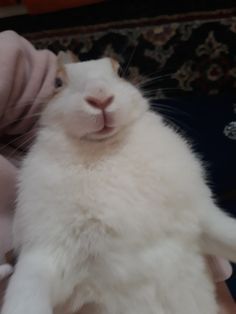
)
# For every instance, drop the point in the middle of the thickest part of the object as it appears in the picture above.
(99, 103)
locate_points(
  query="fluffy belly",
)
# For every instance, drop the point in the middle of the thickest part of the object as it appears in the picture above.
(156, 268)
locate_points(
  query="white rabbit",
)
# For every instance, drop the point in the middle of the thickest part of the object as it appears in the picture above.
(113, 208)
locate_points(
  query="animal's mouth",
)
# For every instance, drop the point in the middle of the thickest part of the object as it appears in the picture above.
(107, 127)
(105, 130)
(107, 121)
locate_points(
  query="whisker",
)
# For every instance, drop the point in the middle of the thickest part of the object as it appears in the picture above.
(179, 124)
(173, 110)
(165, 108)
(20, 119)
(40, 100)
(166, 90)
(28, 140)
(129, 61)
(153, 79)
(159, 72)
(30, 102)
(16, 139)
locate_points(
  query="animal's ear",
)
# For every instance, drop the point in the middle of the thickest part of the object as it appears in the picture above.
(65, 57)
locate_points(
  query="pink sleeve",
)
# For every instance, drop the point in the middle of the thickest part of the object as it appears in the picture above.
(26, 82)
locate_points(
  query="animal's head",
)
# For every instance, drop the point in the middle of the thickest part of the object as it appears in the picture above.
(93, 101)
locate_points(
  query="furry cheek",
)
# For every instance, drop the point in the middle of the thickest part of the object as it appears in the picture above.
(123, 114)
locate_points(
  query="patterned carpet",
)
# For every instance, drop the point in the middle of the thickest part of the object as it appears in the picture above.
(196, 50)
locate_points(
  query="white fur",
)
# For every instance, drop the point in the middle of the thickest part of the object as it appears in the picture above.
(119, 220)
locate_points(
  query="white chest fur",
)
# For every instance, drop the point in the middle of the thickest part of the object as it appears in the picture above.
(110, 217)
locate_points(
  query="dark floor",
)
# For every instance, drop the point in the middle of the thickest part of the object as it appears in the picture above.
(110, 11)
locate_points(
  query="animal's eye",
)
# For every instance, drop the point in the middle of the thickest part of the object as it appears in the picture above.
(120, 71)
(58, 83)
